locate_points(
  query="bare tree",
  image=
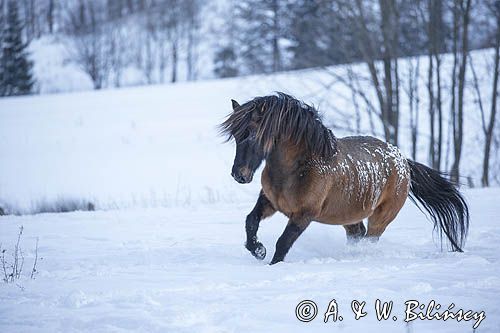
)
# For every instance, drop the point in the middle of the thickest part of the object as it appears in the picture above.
(50, 15)
(461, 18)
(2, 56)
(116, 53)
(436, 46)
(29, 18)
(90, 41)
(386, 86)
(275, 8)
(414, 102)
(193, 11)
(488, 127)
(148, 57)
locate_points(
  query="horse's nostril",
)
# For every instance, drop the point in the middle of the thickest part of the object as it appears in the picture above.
(238, 177)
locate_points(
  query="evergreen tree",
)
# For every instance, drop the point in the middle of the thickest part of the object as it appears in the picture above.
(321, 34)
(305, 34)
(225, 62)
(260, 27)
(16, 68)
(2, 23)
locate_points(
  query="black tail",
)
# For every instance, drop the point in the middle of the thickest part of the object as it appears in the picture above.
(442, 200)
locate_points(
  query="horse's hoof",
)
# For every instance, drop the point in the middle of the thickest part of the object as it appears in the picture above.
(259, 252)
(274, 261)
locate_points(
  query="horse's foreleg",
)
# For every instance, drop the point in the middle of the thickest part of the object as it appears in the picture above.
(263, 208)
(355, 232)
(293, 230)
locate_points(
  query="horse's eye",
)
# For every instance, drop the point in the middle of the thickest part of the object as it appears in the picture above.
(251, 134)
(248, 134)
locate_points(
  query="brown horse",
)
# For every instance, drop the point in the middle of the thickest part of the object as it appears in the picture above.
(310, 175)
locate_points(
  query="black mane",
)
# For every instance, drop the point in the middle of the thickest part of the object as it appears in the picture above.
(281, 117)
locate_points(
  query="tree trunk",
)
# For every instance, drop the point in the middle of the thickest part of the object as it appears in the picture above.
(50, 16)
(275, 37)
(190, 56)
(439, 105)
(436, 42)
(493, 111)
(439, 47)
(430, 88)
(174, 61)
(390, 113)
(458, 121)
(413, 77)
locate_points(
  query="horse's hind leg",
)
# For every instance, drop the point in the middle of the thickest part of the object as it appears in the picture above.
(355, 232)
(263, 208)
(379, 220)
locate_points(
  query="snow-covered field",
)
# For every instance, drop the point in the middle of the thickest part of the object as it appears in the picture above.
(164, 250)
(186, 270)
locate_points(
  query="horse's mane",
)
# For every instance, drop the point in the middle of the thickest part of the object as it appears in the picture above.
(281, 117)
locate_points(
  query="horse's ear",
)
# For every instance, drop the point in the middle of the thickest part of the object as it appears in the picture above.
(235, 104)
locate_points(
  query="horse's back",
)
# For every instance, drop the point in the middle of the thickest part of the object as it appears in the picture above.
(375, 153)
(367, 173)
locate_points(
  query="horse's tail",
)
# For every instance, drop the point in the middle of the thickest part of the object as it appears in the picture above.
(446, 206)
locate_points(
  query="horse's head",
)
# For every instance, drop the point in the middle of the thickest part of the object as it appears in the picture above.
(264, 122)
(242, 126)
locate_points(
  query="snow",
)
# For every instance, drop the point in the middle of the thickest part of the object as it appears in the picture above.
(56, 72)
(186, 270)
(155, 146)
(164, 250)
(158, 146)
(52, 69)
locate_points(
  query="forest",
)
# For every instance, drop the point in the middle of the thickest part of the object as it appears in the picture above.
(139, 42)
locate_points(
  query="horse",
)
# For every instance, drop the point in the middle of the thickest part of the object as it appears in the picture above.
(311, 175)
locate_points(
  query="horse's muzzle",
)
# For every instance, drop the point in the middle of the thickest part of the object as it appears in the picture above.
(242, 178)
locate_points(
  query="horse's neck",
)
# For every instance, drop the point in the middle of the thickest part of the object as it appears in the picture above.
(287, 156)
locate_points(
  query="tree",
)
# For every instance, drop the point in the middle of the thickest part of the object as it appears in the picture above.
(89, 45)
(489, 126)
(320, 34)
(436, 46)
(2, 22)
(305, 50)
(414, 102)
(260, 29)
(380, 41)
(50, 15)
(373, 30)
(29, 9)
(461, 19)
(115, 9)
(16, 67)
(192, 10)
(225, 62)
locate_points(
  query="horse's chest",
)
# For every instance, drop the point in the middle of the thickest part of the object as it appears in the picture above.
(279, 200)
(283, 190)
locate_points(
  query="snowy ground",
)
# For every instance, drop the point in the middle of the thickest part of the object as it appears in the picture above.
(164, 250)
(185, 270)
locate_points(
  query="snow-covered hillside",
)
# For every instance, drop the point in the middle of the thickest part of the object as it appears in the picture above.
(164, 250)
(158, 145)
